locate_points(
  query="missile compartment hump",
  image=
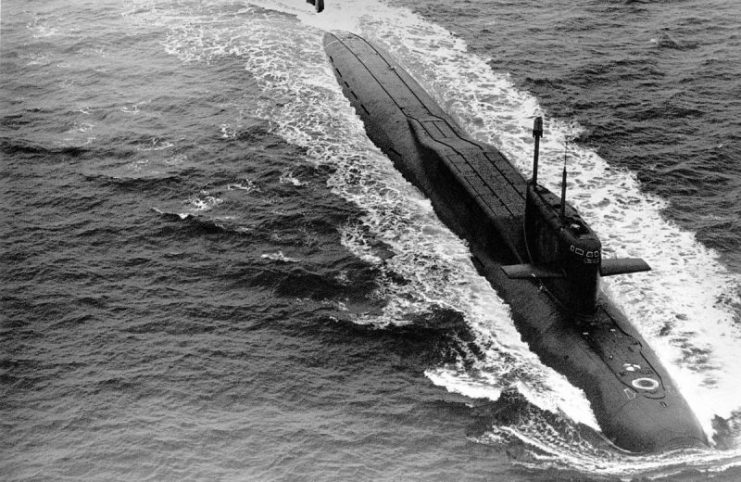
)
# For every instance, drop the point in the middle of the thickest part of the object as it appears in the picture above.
(408, 125)
(534, 248)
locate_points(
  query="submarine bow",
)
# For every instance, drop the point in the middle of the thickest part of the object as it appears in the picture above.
(536, 251)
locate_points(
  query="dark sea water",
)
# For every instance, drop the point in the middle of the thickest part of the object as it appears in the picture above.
(210, 273)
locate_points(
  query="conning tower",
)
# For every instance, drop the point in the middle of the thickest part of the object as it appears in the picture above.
(565, 254)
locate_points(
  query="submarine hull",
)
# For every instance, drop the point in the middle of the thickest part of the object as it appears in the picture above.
(480, 195)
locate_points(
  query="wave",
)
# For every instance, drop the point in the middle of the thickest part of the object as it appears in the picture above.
(200, 223)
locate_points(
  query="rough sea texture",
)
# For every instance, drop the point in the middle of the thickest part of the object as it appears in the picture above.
(210, 273)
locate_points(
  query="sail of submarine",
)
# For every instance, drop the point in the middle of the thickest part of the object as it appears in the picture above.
(533, 247)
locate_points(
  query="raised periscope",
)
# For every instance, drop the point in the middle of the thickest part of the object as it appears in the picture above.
(534, 248)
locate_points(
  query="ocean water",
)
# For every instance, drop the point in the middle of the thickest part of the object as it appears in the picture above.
(210, 273)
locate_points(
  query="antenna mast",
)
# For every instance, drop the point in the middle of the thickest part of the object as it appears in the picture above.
(563, 182)
(537, 134)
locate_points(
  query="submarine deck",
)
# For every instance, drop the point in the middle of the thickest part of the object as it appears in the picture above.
(484, 172)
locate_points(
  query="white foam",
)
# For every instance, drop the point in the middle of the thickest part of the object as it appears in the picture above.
(244, 185)
(551, 450)
(289, 178)
(279, 256)
(203, 201)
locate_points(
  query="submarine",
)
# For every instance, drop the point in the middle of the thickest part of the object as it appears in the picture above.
(533, 247)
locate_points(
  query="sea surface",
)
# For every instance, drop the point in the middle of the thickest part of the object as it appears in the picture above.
(209, 272)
